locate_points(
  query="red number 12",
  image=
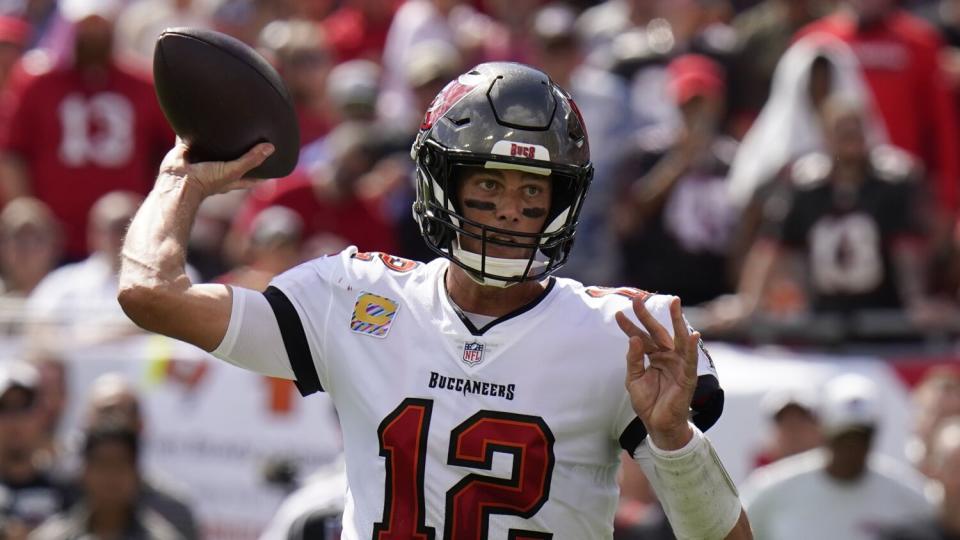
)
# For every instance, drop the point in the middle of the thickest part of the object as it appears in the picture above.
(471, 502)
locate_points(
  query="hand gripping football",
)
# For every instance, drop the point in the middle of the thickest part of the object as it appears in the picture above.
(222, 98)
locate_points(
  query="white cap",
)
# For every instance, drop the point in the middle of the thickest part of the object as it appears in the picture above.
(774, 401)
(78, 10)
(849, 402)
(15, 374)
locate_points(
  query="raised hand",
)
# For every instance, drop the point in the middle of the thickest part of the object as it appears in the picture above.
(213, 176)
(661, 392)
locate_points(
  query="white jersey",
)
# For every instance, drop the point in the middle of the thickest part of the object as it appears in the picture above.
(450, 431)
(795, 499)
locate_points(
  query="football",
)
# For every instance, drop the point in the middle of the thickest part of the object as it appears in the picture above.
(222, 98)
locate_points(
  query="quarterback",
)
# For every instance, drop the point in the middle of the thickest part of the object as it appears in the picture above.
(480, 397)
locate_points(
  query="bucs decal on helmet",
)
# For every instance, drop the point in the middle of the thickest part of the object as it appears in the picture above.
(448, 97)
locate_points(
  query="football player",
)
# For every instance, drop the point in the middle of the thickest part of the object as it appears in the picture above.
(479, 396)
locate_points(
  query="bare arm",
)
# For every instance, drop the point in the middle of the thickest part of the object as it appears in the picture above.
(14, 180)
(741, 531)
(155, 291)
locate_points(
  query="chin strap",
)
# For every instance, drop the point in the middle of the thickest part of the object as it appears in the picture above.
(494, 266)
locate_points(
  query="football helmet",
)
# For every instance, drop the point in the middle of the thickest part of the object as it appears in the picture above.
(501, 115)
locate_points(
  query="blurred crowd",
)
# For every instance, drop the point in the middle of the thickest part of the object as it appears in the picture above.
(789, 168)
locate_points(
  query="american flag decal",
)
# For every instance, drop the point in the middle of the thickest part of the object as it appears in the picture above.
(472, 353)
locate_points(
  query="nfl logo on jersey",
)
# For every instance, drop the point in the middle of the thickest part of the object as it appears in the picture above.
(472, 353)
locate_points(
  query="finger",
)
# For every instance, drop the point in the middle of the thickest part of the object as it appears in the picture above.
(659, 334)
(247, 162)
(673, 367)
(681, 334)
(632, 330)
(635, 359)
(693, 356)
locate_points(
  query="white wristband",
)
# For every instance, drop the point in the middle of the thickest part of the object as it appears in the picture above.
(697, 494)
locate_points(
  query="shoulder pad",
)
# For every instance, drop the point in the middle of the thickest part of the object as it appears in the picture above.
(892, 164)
(811, 170)
(626, 292)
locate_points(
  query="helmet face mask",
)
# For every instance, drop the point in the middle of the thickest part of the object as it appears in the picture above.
(501, 116)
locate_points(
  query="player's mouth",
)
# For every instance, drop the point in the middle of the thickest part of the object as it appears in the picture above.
(502, 238)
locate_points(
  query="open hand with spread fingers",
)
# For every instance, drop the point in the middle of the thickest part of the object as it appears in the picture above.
(212, 177)
(661, 391)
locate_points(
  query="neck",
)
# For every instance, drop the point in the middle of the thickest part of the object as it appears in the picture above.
(849, 172)
(486, 300)
(109, 522)
(846, 471)
(17, 470)
(950, 517)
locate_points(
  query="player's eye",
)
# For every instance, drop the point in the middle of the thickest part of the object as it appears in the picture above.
(487, 184)
(531, 190)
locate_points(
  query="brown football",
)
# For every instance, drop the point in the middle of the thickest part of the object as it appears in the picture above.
(222, 98)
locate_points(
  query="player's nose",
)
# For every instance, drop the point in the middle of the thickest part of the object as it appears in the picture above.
(510, 208)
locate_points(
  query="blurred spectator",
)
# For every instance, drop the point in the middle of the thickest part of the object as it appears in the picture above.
(795, 427)
(51, 402)
(765, 32)
(141, 22)
(358, 28)
(28, 493)
(417, 23)
(791, 123)
(14, 36)
(84, 129)
(210, 251)
(110, 504)
(510, 39)
(114, 401)
(900, 56)
(29, 245)
(602, 99)
(298, 50)
(600, 25)
(327, 200)
(945, 469)
(847, 231)
(673, 220)
(353, 89)
(312, 10)
(313, 512)
(431, 65)
(274, 246)
(77, 303)
(945, 15)
(840, 491)
(936, 398)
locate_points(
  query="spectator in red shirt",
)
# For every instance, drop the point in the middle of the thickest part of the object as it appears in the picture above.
(14, 34)
(327, 200)
(899, 54)
(359, 28)
(84, 129)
